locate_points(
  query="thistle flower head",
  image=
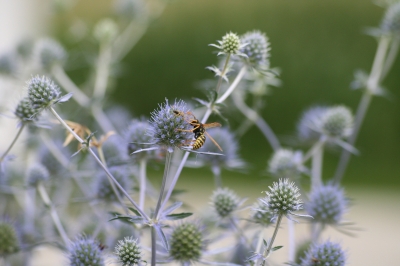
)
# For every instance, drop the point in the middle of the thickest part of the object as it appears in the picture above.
(42, 92)
(85, 251)
(25, 112)
(9, 242)
(136, 134)
(186, 243)
(225, 138)
(166, 126)
(283, 198)
(257, 49)
(128, 251)
(230, 44)
(114, 151)
(261, 214)
(224, 202)
(327, 253)
(105, 30)
(327, 204)
(391, 20)
(48, 52)
(285, 163)
(104, 189)
(36, 174)
(337, 122)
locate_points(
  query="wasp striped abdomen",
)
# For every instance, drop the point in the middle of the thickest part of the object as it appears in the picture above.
(199, 142)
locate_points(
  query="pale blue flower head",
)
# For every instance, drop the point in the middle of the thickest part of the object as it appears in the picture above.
(391, 21)
(128, 251)
(324, 254)
(257, 49)
(42, 92)
(135, 135)
(85, 251)
(48, 52)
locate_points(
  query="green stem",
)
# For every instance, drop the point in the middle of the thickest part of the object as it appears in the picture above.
(13, 142)
(268, 250)
(56, 219)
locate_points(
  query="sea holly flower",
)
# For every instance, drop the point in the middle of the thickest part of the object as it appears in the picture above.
(128, 251)
(48, 52)
(230, 45)
(25, 111)
(327, 253)
(261, 214)
(9, 242)
(286, 163)
(256, 50)
(85, 251)
(225, 201)
(37, 173)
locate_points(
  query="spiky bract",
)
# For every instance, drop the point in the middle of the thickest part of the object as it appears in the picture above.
(261, 214)
(128, 251)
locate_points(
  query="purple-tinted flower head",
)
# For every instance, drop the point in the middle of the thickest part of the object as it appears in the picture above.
(135, 136)
(308, 123)
(104, 190)
(261, 214)
(114, 151)
(166, 126)
(257, 49)
(48, 52)
(327, 204)
(42, 92)
(325, 254)
(85, 251)
(285, 163)
(37, 173)
(25, 112)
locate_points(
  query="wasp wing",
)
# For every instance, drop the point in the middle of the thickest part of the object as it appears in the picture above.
(213, 140)
(211, 125)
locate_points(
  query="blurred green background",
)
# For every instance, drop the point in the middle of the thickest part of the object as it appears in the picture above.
(317, 44)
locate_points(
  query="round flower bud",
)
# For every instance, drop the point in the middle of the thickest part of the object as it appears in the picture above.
(114, 151)
(25, 112)
(283, 197)
(85, 252)
(328, 253)
(327, 204)
(284, 163)
(36, 174)
(229, 145)
(9, 242)
(337, 122)
(137, 134)
(230, 43)
(42, 92)
(224, 201)
(257, 48)
(49, 52)
(104, 189)
(128, 252)
(261, 214)
(309, 122)
(391, 20)
(105, 30)
(167, 125)
(186, 243)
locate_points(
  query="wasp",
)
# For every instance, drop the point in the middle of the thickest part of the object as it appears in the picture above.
(199, 130)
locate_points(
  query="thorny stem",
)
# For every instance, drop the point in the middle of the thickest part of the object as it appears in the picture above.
(56, 219)
(223, 73)
(164, 181)
(142, 177)
(13, 142)
(268, 250)
(378, 71)
(260, 123)
(101, 165)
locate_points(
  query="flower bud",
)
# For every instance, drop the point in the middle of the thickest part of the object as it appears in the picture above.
(42, 92)
(36, 174)
(25, 112)
(230, 43)
(85, 252)
(186, 243)
(9, 243)
(128, 251)
(328, 253)
(224, 201)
